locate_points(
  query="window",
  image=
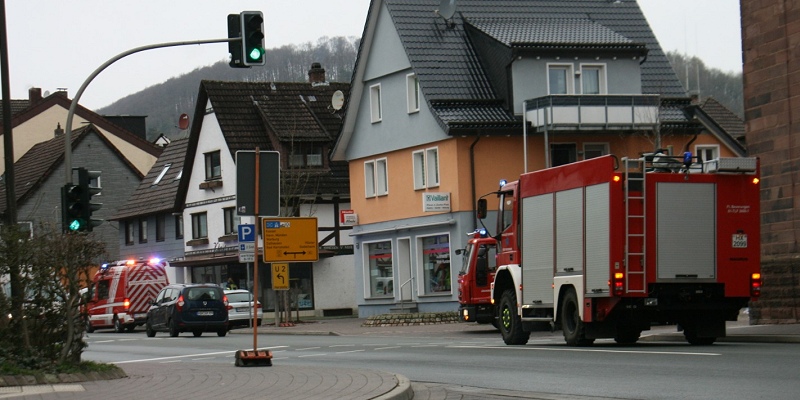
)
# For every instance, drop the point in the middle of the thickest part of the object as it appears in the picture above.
(707, 152)
(593, 79)
(375, 103)
(563, 153)
(426, 168)
(161, 175)
(376, 178)
(103, 289)
(592, 150)
(436, 264)
(306, 156)
(179, 226)
(412, 93)
(161, 229)
(142, 230)
(213, 167)
(379, 269)
(128, 232)
(559, 79)
(230, 220)
(199, 226)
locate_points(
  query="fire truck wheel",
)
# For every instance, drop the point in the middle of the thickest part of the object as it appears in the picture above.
(118, 328)
(89, 327)
(571, 323)
(149, 330)
(174, 331)
(627, 335)
(510, 322)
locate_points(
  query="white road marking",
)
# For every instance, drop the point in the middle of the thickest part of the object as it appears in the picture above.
(184, 356)
(387, 348)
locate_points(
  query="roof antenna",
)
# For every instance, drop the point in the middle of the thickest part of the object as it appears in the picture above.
(446, 10)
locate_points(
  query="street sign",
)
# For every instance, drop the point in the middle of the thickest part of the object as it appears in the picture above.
(269, 182)
(290, 239)
(247, 252)
(247, 233)
(280, 276)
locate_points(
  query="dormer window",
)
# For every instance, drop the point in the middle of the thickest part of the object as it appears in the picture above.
(560, 79)
(305, 156)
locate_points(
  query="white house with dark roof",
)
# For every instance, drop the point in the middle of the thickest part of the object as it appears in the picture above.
(435, 120)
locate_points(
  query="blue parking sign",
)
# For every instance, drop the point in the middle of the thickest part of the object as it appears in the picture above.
(247, 233)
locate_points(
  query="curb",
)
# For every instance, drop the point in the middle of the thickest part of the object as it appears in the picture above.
(58, 378)
(402, 391)
(677, 337)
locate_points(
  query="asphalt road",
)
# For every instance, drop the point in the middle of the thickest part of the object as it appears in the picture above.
(647, 370)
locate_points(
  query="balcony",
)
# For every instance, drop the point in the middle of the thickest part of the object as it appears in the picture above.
(593, 112)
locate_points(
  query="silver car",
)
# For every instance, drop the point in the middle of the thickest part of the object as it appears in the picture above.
(240, 308)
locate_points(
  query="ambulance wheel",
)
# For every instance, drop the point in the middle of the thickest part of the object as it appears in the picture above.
(571, 323)
(197, 333)
(149, 330)
(510, 321)
(89, 327)
(174, 331)
(222, 332)
(118, 328)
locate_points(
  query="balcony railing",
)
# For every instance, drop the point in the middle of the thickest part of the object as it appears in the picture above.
(593, 112)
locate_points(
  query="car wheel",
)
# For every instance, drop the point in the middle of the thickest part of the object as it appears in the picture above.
(222, 332)
(174, 331)
(118, 328)
(149, 329)
(197, 333)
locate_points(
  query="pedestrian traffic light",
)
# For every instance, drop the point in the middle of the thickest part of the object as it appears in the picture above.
(71, 209)
(252, 28)
(235, 46)
(87, 191)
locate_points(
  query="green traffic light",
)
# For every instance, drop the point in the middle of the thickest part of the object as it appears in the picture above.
(255, 53)
(75, 225)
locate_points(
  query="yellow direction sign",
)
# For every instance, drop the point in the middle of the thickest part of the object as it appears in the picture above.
(290, 239)
(280, 276)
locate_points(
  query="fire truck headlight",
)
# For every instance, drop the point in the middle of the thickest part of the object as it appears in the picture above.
(650, 302)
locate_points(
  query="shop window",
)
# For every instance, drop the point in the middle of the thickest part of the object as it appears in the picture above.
(301, 289)
(379, 269)
(436, 264)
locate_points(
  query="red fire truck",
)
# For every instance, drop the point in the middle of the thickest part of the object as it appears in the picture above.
(604, 248)
(475, 279)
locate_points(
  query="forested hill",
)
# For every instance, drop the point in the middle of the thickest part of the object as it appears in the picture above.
(163, 103)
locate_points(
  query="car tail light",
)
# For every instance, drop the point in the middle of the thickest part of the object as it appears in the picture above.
(225, 301)
(180, 303)
(618, 283)
(260, 307)
(126, 303)
(755, 285)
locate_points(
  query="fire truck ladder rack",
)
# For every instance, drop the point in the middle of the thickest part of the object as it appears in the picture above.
(634, 217)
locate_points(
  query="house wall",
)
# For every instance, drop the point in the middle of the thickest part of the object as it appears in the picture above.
(168, 249)
(117, 180)
(331, 287)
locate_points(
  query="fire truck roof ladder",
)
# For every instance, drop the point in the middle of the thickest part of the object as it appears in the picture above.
(635, 225)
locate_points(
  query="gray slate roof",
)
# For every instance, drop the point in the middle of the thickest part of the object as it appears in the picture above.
(573, 31)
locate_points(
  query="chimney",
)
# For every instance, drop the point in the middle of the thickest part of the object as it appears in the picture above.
(34, 95)
(58, 131)
(316, 75)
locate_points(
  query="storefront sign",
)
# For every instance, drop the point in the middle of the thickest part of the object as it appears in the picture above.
(435, 201)
(348, 217)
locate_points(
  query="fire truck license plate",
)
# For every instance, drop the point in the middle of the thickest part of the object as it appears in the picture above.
(739, 241)
(205, 313)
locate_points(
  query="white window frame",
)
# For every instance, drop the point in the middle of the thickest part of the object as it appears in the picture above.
(714, 148)
(375, 103)
(376, 178)
(601, 77)
(412, 93)
(369, 179)
(605, 148)
(426, 168)
(570, 77)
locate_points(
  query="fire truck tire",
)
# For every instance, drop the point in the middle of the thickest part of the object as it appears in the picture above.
(571, 323)
(510, 322)
(174, 331)
(149, 330)
(627, 335)
(89, 327)
(118, 328)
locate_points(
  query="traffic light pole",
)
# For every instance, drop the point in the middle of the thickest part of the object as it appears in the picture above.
(74, 105)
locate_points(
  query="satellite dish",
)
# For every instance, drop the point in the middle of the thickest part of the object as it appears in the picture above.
(447, 8)
(337, 100)
(183, 122)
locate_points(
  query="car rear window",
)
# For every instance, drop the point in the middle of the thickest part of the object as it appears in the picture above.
(239, 297)
(204, 294)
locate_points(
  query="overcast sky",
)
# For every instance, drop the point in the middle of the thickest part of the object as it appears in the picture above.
(58, 44)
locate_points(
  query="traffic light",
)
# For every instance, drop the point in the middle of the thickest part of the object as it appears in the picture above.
(71, 208)
(235, 46)
(87, 191)
(252, 28)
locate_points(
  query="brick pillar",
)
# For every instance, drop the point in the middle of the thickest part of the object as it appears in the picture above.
(771, 55)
